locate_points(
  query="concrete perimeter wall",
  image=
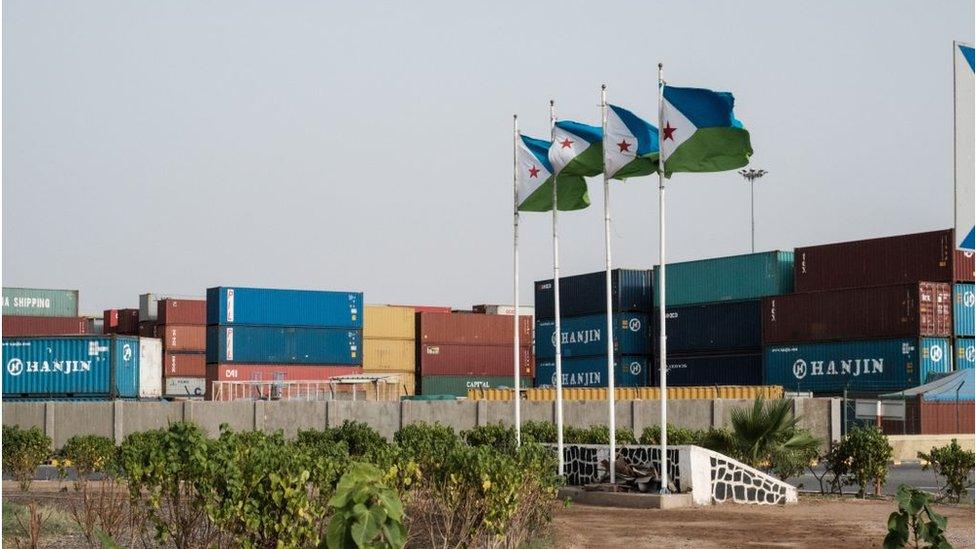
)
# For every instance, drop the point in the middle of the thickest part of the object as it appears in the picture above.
(62, 420)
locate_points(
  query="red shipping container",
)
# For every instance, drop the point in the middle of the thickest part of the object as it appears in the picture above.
(914, 310)
(149, 328)
(182, 311)
(120, 321)
(881, 261)
(471, 329)
(184, 364)
(946, 418)
(274, 372)
(964, 265)
(478, 360)
(182, 337)
(18, 326)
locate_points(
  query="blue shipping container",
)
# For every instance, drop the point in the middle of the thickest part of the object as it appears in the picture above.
(713, 327)
(71, 367)
(732, 278)
(591, 371)
(965, 353)
(283, 345)
(586, 294)
(964, 299)
(584, 335)
(266, 307)
(706, 370)
(869, 366)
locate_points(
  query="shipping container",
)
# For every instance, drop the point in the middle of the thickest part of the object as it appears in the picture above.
(586, 335)
(586, 294)
(732, 278)
(184, 364)
(270, 307)
(283, 345)
(964, 266)
(150, 366)
(489, 360)
(75, 367)
(965, 353)
(906, 310)
(389, 322)
(524, 310)
(881, 261)
(459, 385)
(863, 366)
(278, 372)
(39, 302)
(389, 354)
(121, 321)
(149, 328)
(188, 387)
(471, 329)
(95, 325)
(591, 371)
(716, 328)
(704, 370)
(149, 304)
(426, 308)
(182, 311)
(963, 309)
(183, 337)
(19, 326)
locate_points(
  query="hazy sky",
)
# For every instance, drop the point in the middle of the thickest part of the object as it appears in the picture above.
(172, 146)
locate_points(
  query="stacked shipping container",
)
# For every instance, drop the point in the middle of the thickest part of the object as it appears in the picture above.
(461, 350)
(963, 299)
(389, 344)
(40, 312)
(870, 316)
(258, 334)
(583, 323)
(182, 325)
(121, 322)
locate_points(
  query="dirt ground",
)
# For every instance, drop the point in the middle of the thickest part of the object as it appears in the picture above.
(814, 522)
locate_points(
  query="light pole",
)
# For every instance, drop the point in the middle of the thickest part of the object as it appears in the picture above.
(752, 175)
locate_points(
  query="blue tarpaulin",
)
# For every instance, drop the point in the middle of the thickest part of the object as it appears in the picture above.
(958, 385)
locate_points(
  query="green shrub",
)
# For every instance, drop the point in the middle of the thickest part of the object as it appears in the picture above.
(23, 451)
(359, 437)
(495, 435)
(596, 434)
(366, 512)
(425, 443)
(954, 464)
(915, 519)
(543, 432)
(861, 457)
(88, 454)
(676, 435)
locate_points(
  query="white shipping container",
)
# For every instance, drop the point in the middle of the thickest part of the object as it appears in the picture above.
(185, 386)
(149, 304)
(150, 367)
(508, 310)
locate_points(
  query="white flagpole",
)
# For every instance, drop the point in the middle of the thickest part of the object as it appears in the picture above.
(663, 343)
(517, 395)
(555, 297)
(611, 396)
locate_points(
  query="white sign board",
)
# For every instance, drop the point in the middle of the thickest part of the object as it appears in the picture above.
(964, 105)
(887, 409)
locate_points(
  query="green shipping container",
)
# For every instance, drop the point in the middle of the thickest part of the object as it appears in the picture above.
(459, 385)
(733, 278)
(39, 302)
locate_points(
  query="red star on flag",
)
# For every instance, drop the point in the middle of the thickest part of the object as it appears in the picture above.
(624, 146)
(533, 172)
(668, 131)
(566, 143)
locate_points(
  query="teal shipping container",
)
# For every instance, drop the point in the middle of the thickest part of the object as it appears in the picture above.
(963, 301)
(586, 335)
(39, 302)
(72, 367)
(273, 307)
(733, 278)
(859, 366)
(591, 371)
(965, 353)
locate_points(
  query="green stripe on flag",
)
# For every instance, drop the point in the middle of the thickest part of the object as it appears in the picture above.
(645, 165)
(711, 150)
(587, 164)
(572, 196)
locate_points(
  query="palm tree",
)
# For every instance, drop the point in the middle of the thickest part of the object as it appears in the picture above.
(767, 437)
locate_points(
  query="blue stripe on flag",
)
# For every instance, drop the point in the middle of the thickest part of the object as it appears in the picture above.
(645, 133)
(539, 149)
(704, 108)
(969, 242)
(592, 134)
(967, 52)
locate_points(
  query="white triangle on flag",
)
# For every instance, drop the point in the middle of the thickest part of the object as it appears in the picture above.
(565, 147)
(619, 144)
(531, 173)
(675, 129)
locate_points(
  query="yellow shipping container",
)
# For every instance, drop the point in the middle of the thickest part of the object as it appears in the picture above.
(388, 322)
(383, 355)
(407, 380)
(636, 393)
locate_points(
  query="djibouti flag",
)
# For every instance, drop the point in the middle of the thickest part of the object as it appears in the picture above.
(699, 133)
(577, 149)
(535, 177)
(631, 145)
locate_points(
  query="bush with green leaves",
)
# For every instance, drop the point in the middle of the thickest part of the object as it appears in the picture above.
(426, 443)
(915, 523)
(953, 464)
(861, 458)
(23, 451)
(542, 432)
(496, 435)
(676, 435)
(366, 512)
(88, 454)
